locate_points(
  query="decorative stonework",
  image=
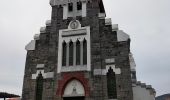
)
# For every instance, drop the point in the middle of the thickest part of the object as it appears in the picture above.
(67, 78)
(43, 30)
(116, 70)
(74, 24)
(45, 75)
(31, 45)
(48, 23)
(102, 15)
(36, 36)
(39, 66)
(122, 36)
(73, 68)
(74, 35)
(74, 89)
(40, 69)
(115, 27)
(108, 21)
(62, 2)
(75, 12)
(104, 71)
(109, 64)
(108, 61)
(143, 91)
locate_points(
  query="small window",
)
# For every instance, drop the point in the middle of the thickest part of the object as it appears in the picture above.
(71, 53)
(78, 52)
(111, 84)
(64, 54)
(79, 6)
(39, 87)
(70, 7)
(84, 52)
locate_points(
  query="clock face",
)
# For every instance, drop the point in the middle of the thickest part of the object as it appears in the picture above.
(74, 24)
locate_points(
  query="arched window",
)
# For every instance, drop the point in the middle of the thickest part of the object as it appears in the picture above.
(70, 7)
(39, 87)
(84, 52)
(79, 5)
(71, 53)
(111, 84)
(64, 54)
(78, 52)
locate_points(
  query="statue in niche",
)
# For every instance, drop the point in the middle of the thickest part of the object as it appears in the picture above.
(74, 92)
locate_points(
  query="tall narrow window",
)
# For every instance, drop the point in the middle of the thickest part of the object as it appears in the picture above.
(84, 52)
(79, 6)
(64, 54)
(71, 53)
(78, 52)
(70, 7)
(39, 87)
(111, 84)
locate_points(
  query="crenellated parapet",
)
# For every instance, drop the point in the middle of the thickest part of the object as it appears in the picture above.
(63, 2)
(144, 86)
(141, 90)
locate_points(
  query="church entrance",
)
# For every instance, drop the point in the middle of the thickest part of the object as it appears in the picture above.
(74, 90)
(74, 98)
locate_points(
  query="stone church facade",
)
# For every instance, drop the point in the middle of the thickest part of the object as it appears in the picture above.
(79, 55)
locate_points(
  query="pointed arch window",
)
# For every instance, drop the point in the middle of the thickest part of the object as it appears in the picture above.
(78, 52)
(74, 46)
(71, 53)
(111, 84)
(64, 45)
(84, 52)
(79, 5)
(39, 87)
(70, 7)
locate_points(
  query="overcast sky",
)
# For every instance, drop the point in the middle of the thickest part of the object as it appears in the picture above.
(146, 21)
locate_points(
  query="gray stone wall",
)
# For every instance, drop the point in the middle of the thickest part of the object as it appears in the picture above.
(104, 45)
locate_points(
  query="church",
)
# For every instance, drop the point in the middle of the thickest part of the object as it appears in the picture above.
(81, 55)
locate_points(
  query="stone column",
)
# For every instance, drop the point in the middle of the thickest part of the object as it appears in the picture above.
(84, 9)
(65, 11)
(67, 55)
(74, 54)
(81, 53)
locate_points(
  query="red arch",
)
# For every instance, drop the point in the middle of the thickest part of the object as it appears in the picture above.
(73, 78)
(67, 77)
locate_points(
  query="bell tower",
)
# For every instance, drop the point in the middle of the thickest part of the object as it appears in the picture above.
(78, 55)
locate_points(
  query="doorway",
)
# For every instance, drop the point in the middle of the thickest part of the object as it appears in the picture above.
(73, 98)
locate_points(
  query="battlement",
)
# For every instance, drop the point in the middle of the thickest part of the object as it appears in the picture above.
(63, 2)
(144, 86)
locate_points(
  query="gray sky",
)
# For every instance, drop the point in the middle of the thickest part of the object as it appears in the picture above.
(146, 21)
